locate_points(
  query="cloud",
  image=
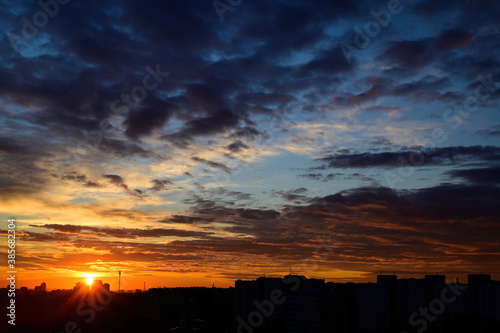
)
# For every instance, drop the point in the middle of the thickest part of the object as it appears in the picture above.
(80, 179)
(413, 54)
(142, 122)
(294, 196)
(184, 219)
(367, 222)
(122, 232)
(120, 182)
(237, 146)
(314, 176)
(369, 225)
(488, 175)
(116, 180)
(249, 133)
(218, 122)
(450, 39)
(160, 184)
(212, 164)
(434, 156)
(493, 131)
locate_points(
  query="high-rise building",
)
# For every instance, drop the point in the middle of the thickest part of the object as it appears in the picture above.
(42, 287)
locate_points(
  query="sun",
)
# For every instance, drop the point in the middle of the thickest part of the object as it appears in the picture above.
(89, 281)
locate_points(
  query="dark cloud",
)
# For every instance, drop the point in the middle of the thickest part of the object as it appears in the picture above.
(161, 184)
(142, 122)
(76, 177)
(209, 208)
(434, 156)
(249, 133)
(92, 184)
(493, 131)
(180, 140)
(206, 98)
(237, 146)
(206, 90)
(331, 62)
(315, 176)
(299, 190)
(187, 219)
(212, 164)
(450, 39)
(294, 196)
(372, 225)
(239, 195)
(434, 203)
(337, 176)
(378, 221)
(380, 140)
(409, 55)
(412, 54)
(426, 89)
(23, 166)
(429, 88)
(116, 180)
(218, 122)
(120, 182)
(489, 175)
(122, 232)
(80, 179)
(10, 146)
(122, 149)
(109, 62)
(267, 99)
(428, 7)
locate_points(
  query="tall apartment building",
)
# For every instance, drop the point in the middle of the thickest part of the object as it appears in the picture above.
(391, 305)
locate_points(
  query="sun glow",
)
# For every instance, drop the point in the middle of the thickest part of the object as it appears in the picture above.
(89, 281)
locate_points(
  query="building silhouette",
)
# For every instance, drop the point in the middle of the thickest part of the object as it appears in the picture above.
(292, 304)
(42, 287)
(195, 309)
(391, 305)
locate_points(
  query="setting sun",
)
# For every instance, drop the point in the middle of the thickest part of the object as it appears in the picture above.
(89, 281)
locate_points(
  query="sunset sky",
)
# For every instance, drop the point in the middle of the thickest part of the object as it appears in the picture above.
(191, 143)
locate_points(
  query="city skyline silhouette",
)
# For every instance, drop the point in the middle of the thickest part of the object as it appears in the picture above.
(250, 166)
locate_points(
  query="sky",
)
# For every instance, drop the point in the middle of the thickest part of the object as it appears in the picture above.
(193, 143)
